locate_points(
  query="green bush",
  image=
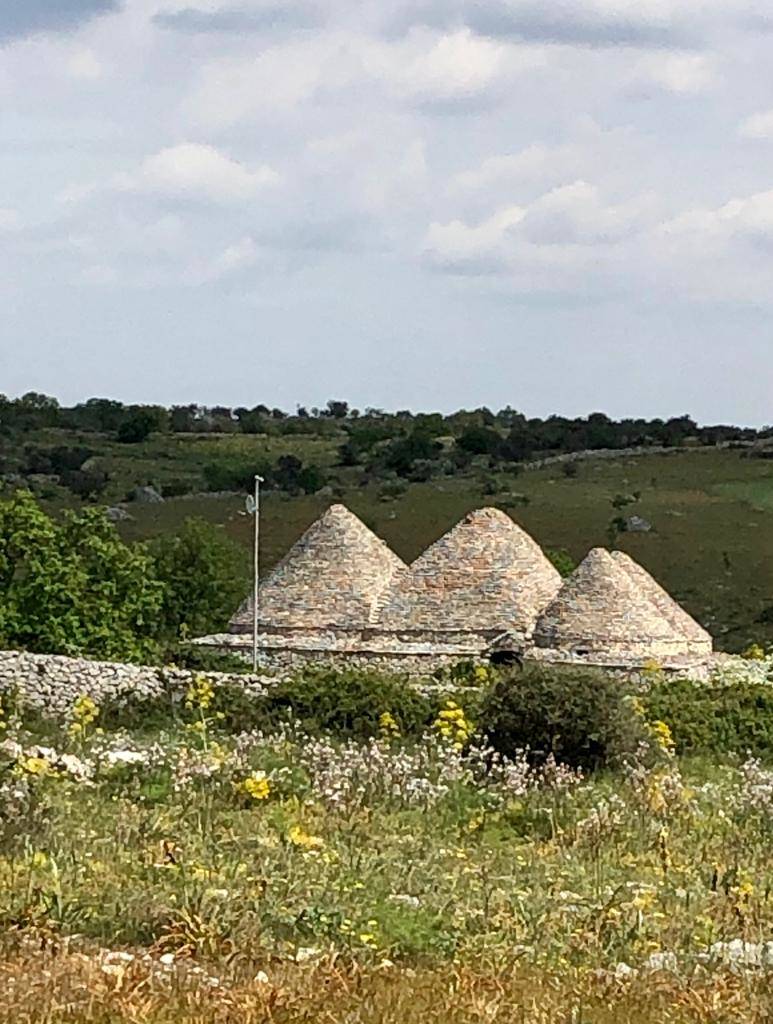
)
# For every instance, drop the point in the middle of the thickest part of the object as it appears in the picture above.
(204, 659)
(735, 717)
(584, 717)
(347, 703)
(204, 577)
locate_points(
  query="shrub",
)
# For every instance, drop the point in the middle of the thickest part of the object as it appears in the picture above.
(584, 717)
(234, 474)
(561, 560)
(205, 659)
(348, 703)
(137, 427)
(735, 717)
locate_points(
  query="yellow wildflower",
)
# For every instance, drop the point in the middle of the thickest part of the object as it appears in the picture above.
(302, 839)
(84, 713)
(754, 652)
(388, 725)
(200, 694)
(662, 735)
(452, 725)
(36, 766)
(256, 786)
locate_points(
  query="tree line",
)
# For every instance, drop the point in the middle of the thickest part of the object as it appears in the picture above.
(479, 430)
(386, 446)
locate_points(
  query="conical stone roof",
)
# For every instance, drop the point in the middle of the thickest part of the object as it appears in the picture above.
(331, 578)
(485, 575)
(673, 612)
(607, 609)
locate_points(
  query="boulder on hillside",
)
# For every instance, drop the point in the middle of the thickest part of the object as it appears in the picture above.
(116, 514)
(637, 524)
(146, 495)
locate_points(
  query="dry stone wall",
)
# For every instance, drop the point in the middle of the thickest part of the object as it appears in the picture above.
(52, 683)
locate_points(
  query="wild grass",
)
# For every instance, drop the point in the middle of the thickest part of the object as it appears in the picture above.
(192, 875)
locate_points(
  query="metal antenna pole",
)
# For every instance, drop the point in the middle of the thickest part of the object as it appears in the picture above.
(256, 571)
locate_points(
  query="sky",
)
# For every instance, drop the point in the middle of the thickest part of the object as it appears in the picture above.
(429, 204)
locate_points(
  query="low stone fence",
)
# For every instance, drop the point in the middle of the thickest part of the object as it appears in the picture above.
(616, 453)
(52, 683)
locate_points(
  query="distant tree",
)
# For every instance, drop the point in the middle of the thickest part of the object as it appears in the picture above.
(205, 577)
(399, 455)
(479, 440)
(103, 414)
(290, 474)
(234, 474)
(137, 427)
(254, 421)
(72, 586)
(518, 446)
(311, 478)
(31, 411)
(337, 410)
(676, 431)
(88, 484)
(184, 418)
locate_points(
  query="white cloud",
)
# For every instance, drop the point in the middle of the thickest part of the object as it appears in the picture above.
(235, 89)
(570, 216)
(568, 240)
(680, 73)
(530, 164)
(576, 215)
(9, 220)
(424, 68)
(749, 217)
(83, 64)
(196, 171)
(480, 247)
(458, 66)
(235, 257)
(646, 24)
(757, 126)
(571, 240)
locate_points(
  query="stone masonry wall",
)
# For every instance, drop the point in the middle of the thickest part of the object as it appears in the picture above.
(52, 683)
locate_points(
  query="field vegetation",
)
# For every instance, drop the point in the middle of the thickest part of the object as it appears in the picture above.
(381, 857)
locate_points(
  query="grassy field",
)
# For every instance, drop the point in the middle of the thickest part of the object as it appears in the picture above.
(185, 876)
(711, 544)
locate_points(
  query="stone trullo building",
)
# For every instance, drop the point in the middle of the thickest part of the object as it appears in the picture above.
(484, 589)
(612, 612)
(486, 576)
